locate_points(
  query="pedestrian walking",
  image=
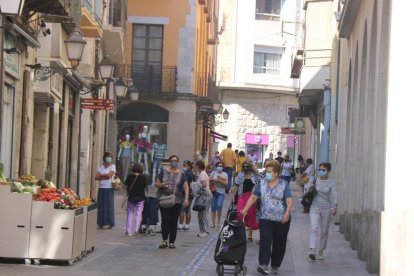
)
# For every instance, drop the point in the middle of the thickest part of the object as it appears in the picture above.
(135, 183)
(279, 157)
(323, 206)
(241, 157)
(202, 192)
(286, 168)
(185, 215)
(228, 156)
(216, 158)
(172, 181)
(275, 218)
(244, 185)
(105, 175)
(219, 181)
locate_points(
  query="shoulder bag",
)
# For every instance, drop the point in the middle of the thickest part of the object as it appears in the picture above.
(167, 200)
(124, 204)
(116, 183)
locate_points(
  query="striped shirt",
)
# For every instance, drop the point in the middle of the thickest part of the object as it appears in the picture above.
(326, 197)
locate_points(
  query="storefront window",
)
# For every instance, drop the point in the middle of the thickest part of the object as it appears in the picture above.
(256, 145)
(141, 142)
(7, 130)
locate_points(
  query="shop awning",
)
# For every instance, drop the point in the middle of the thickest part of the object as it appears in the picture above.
(218, 135)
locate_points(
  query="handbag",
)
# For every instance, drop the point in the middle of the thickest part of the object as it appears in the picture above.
(116, 184)
(166, 200)
(124, 204)
(308, 197)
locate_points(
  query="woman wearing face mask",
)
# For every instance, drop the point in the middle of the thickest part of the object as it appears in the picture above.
(170, 181)
(185, 213)
(323, 206)
(219, 179)
(276, 206)
(244, 185)
(106, 171)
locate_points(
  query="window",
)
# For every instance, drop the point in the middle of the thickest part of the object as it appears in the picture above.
(6, 154)
(268, 9)
(147, 45)
(147, 57)
(266, 63)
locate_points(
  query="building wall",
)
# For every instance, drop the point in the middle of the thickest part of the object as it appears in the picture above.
(174, 12)
(361, 130)
(256, 113)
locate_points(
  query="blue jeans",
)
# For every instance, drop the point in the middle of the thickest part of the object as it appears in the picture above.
(285, 177)
(217, 202)
(229, 172)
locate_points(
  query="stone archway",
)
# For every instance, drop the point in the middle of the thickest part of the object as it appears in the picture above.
(142, 112)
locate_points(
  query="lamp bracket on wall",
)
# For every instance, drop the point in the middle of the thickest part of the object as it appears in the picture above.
(42, 73)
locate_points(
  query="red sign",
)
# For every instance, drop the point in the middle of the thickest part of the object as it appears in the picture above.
(97, 104)
(287, 130)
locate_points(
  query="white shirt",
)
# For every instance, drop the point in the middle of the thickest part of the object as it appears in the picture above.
(252, 157)
(106, 183)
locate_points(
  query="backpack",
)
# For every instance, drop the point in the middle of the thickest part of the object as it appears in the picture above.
(200, 201)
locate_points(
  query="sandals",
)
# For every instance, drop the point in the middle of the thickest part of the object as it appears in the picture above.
(171, 246)
(250, 239)
(163, 245)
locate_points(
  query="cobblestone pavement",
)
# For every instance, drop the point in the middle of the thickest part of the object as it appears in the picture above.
(116, 254)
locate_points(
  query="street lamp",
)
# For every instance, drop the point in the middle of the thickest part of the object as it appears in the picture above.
(10, 7)
(106, 68)
(134, 95)
(120, 88)
(226, 115)
(74, 47)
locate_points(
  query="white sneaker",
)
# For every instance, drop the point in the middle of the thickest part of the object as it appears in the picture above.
(186, 227)
(180, 227)
(320, 255)
(202, 235)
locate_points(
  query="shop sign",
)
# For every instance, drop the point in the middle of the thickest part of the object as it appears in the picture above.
(11, 61)
(97, 104)
(287, 130)
(257, 139)
(299, 125)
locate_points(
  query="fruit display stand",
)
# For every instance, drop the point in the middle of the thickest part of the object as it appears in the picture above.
(15, 212)
(55, 234)
(90, 213)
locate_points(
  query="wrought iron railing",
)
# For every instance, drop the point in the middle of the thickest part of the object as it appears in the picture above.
(150, 79)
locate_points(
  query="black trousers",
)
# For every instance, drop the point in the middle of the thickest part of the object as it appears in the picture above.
(273, 238)
(169, 221)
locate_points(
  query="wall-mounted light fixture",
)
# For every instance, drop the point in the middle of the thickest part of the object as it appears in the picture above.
(74, 47)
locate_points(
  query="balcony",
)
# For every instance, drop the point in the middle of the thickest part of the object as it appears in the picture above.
(150, 80)
(91, 21)
(55, 7)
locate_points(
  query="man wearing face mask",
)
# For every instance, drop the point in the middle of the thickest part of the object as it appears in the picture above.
(219, 179)
(276, 206)
(241, 192)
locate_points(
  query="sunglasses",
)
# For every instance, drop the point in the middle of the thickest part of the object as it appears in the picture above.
(219, 166)
(174, 161)
(322, 170)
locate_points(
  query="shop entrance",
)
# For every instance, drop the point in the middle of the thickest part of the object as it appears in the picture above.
(142, 137)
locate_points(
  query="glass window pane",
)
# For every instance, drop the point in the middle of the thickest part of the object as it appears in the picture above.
(154, 56)
(155, 43)
(155, 31)
(138, 43)
(138, 54)
(140, 30)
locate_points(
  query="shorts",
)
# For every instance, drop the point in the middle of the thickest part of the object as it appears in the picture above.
(217, 202)
(186, 209)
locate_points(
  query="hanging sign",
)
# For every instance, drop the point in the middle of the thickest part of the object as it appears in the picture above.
(97, 104)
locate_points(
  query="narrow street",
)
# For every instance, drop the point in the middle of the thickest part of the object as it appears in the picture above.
(116, 254)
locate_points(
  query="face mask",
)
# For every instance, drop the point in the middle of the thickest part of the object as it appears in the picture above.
(269, 176)
(184, 169)
(322, 173)
(174, 164)
(219, 169)
(247, 169)
(108, 159)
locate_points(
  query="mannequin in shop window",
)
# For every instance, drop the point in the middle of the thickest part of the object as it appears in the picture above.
(126, 154)
(159, 152)
(143, 147)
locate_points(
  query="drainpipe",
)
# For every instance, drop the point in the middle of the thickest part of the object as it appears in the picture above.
(324, 131)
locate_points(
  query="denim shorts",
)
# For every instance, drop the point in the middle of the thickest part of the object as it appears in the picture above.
(188, 208)
(217, 202)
